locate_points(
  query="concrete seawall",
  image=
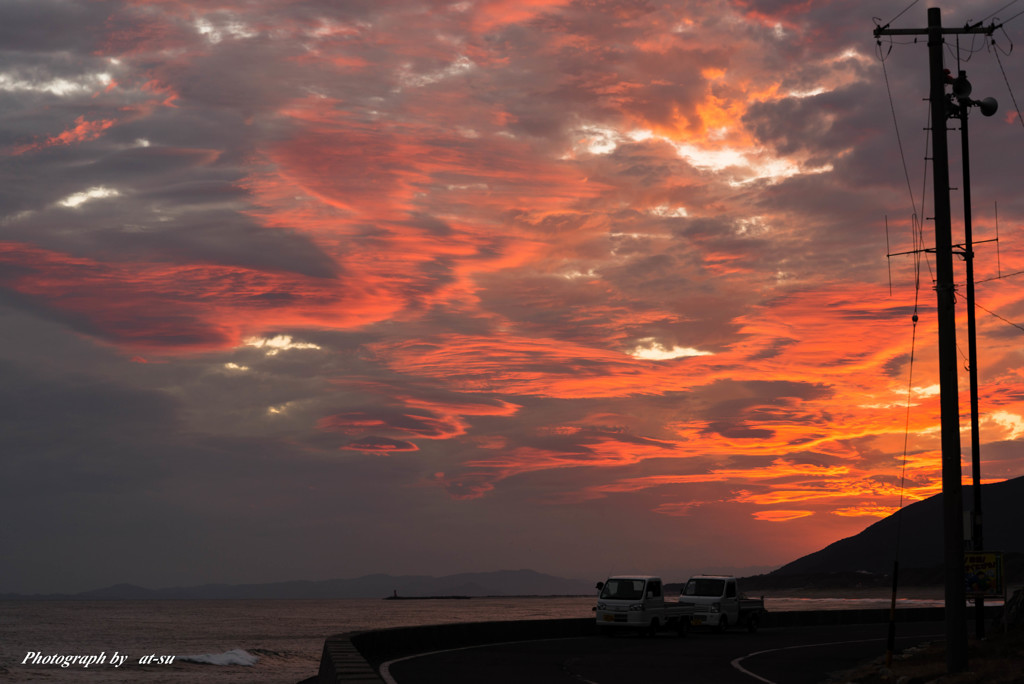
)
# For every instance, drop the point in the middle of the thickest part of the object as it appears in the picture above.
(355, 656)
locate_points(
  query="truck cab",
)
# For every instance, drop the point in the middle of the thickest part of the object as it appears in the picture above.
(717, 602)
(638, 602)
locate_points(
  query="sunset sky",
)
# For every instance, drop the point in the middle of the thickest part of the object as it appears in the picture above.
(309, 289)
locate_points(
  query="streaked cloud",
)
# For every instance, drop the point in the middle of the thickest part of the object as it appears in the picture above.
(541, 272)
(781, 516)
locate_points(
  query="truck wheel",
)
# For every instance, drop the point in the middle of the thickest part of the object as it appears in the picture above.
(653, 629)
(752, 623)
(723, 624)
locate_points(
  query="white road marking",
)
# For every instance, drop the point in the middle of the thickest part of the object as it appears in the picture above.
(385, 668)
(736, 663)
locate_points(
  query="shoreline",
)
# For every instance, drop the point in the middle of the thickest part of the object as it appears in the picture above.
(935, 593)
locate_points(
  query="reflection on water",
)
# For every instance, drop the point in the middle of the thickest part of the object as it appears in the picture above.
(779, 605)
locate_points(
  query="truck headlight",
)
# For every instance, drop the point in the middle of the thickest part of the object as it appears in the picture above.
(636, 606)
(716, 607)
(600, 605)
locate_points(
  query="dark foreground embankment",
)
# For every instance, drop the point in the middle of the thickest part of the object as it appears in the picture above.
(355, 656)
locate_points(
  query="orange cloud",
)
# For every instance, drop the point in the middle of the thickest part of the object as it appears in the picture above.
(380, 445)
(780, 468)
(416, 419)
(780, 515)
(183, 307)
(82, 131)
(866, 510)
(491, 14)
(679, 508)
(479, 475)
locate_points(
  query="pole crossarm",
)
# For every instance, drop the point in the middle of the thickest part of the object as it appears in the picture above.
(963, 249)
(928, 250)
(987, 30)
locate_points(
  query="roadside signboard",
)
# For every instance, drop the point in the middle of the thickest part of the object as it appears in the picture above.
(983, 574)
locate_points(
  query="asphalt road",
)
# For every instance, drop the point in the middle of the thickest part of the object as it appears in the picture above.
(795, 655)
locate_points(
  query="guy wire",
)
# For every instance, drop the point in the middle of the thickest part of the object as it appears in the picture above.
(1007, 80)
(899, 139)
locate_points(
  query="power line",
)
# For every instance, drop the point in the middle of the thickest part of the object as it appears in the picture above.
(1004, 23)
(999, 277)
(904, 12)
(999, 61)
(964, 54)
(919, 234)
(1004, 320)
(1009, 4)
(899, 140)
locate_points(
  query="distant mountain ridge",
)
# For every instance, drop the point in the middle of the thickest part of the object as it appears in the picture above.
(499, 583)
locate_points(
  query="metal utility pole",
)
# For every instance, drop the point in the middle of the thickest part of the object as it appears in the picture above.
(972, 361)
(972, 348)
(952, 494)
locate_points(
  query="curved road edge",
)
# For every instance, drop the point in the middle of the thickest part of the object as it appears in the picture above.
(357, 656)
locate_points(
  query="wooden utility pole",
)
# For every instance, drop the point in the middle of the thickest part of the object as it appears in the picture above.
(952, 492)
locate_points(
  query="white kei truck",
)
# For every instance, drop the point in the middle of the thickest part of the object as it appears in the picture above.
(637, 602)
(716, 602)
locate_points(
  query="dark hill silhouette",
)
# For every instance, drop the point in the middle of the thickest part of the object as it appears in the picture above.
(866, 558)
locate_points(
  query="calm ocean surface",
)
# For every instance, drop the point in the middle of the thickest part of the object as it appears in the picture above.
(285, 637)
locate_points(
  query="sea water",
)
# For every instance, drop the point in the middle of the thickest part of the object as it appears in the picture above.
(251, 642)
